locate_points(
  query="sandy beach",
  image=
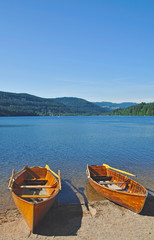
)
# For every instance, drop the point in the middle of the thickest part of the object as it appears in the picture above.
(95, 220)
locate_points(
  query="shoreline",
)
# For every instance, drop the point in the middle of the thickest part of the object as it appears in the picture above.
(89, 221)
(91, 217)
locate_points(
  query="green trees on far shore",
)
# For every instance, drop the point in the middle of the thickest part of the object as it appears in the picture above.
(142, 109)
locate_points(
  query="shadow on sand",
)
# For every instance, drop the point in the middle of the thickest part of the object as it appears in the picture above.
(64, 218)
(148, 209)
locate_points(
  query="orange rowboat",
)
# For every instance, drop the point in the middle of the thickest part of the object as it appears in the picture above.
(117, 187)
(34, 190)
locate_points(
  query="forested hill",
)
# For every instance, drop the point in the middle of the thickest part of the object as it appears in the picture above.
(142, 109)
(78, 105)
(22, 104)
(13, 104)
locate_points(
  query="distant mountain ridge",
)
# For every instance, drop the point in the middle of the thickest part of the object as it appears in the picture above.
(109, 106)
(23, 104)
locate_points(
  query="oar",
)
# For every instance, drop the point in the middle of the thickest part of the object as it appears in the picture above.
(58, 176)
(47, 167)
(107, 166)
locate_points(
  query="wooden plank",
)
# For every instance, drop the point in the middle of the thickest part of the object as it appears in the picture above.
(35, 181)
(103, 178)
(34, 175)
(34, 196)
(35, 186)
(106, 183)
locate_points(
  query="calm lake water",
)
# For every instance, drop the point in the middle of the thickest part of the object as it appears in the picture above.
(69, 143)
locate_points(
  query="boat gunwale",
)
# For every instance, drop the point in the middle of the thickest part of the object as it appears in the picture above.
(45, 199)
(113, 190)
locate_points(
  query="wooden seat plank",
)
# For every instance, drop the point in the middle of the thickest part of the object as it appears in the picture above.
(103, 178)
(106, 183)
(34, 196)
(35, 181)
(35, 186)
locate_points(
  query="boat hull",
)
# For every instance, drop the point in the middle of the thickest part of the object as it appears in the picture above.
(34, 191)
(132, 201)
(32, 213)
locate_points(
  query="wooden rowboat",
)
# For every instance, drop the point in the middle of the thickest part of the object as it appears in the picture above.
(34, 190)
(117, 187)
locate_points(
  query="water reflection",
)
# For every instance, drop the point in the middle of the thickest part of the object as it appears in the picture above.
(92, 195)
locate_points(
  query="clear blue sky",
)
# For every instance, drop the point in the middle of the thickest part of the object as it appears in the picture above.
(99, 50)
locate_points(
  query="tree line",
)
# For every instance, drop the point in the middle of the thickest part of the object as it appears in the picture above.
(142, 109)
